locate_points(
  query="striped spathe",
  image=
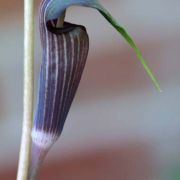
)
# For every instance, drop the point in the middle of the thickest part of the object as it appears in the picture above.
(64, 56)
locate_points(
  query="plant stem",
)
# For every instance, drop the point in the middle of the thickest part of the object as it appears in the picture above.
(28, 90)
(60, 20)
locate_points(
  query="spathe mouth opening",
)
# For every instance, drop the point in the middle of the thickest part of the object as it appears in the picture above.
(67, 27)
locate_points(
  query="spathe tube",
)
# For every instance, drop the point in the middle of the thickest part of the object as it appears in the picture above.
(64, 57)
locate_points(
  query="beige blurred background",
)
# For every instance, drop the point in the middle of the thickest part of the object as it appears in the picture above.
(119, 126)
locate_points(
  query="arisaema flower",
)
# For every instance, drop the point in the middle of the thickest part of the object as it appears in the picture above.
(65, 48)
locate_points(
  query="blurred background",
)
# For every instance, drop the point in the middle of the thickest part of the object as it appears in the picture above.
(119, 126)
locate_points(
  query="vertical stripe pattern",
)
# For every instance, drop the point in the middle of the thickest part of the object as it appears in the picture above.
(64, 56)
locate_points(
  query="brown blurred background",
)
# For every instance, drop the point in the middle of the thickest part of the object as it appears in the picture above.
(119, 126)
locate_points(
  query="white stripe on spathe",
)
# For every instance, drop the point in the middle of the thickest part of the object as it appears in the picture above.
(64, 78)
(67, 92)
(56, 77)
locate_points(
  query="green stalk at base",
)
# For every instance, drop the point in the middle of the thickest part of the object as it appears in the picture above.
(24, 155)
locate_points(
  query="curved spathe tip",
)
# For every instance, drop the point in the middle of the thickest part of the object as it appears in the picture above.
(56, 8)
